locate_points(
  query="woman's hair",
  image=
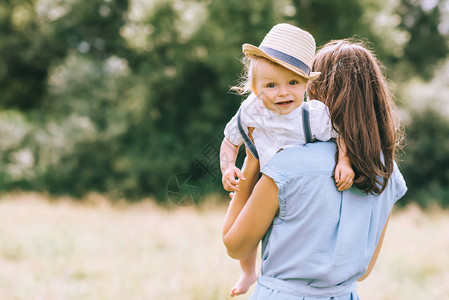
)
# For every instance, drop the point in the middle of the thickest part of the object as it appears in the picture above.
(361, 108)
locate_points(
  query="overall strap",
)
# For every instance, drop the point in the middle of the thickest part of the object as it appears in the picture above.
(248, 142)
(306, 123)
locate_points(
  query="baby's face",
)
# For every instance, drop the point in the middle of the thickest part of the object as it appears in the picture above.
(280, 89)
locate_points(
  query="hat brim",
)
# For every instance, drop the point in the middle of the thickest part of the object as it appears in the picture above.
(251, 50)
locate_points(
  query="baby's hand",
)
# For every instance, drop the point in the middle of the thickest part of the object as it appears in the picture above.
(344, 175)
(230, 184)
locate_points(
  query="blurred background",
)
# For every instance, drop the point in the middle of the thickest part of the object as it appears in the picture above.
(127, 97)
(105, 103)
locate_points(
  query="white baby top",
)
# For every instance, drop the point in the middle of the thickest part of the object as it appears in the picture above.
(273, 131)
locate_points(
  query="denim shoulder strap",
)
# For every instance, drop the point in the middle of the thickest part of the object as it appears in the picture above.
(306, 122)
(248, 142)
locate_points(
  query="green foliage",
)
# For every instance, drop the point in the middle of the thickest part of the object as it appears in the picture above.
(425, 164)
(319, 17)
(123, 97)
(426, 45)
(35, 36)
(17, 157)
(25, 59)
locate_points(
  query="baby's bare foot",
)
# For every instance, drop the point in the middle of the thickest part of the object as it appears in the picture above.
(242, 286)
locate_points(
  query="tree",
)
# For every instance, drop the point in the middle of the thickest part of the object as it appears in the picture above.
(427, 45)
(35, 38)
(101, 98)
(425, 164)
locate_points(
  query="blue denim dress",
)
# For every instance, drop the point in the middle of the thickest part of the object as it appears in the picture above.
(322, 240)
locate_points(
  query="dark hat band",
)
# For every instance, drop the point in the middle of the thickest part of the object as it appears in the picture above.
(287, 58)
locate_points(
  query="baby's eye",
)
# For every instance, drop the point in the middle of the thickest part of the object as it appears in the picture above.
(293, 82)
(270, 85)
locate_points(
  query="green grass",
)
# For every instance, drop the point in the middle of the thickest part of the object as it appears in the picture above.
(67, 250)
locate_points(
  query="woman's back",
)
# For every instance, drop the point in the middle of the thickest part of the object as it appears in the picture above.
(322, 240)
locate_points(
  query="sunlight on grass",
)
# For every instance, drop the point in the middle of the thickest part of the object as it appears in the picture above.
(66, 250)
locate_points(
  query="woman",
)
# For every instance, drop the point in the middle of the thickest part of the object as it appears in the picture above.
(317, 241)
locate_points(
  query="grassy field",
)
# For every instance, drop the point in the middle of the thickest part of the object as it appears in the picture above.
(66, 250)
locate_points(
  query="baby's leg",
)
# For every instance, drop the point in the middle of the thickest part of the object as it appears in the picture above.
(251, 171)
(248, 276)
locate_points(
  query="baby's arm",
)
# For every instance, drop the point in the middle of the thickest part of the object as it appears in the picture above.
(344, 174)
(228, 155)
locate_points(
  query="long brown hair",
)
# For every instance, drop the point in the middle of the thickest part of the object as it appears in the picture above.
(361, 107)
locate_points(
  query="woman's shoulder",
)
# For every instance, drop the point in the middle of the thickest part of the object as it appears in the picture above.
(312, 158)
(398, 182)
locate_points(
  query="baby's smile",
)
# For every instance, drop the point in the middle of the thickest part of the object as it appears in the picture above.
(284, 103)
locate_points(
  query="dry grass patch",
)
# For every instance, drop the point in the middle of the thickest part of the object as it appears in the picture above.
(94, 250)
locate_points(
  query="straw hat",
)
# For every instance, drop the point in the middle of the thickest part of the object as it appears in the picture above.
(289, 46)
